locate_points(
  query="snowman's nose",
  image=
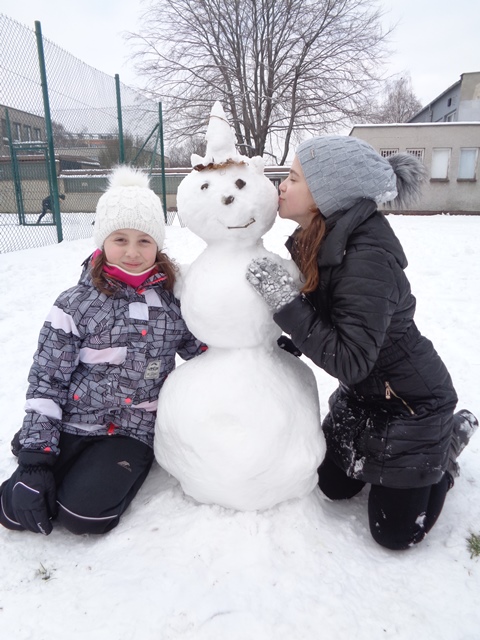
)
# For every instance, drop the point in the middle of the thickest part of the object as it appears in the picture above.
(227, 199)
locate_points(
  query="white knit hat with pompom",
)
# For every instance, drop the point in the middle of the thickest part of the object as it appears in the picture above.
(129, 203)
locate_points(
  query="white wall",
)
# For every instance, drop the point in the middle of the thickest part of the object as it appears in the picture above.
(442, 196)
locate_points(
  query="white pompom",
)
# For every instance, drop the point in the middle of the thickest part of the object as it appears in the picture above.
(125, 176)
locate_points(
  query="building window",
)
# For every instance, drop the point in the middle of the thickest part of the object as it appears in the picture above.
(449, 102)
(37, 134)
(450, 117)
(418, 153)
(386, 153)
(440, 163)
(27, 131)
(4, 130)
(467, 164)
(17, 132)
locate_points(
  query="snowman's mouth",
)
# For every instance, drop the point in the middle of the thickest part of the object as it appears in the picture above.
(244, 226)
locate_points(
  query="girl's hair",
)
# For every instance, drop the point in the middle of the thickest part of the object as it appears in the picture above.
(305, 251)
(109, 286)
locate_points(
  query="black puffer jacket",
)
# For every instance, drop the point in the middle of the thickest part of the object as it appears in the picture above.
(390, 420)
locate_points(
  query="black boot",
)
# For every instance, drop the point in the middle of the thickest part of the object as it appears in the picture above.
(464, 426)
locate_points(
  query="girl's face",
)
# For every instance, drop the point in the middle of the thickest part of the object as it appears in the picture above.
(295, 201)
(131, 250)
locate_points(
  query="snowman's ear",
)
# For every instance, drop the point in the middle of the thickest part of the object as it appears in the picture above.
(257, 163)
(195, 159)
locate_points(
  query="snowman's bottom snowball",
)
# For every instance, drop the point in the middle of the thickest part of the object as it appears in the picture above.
(241, 428)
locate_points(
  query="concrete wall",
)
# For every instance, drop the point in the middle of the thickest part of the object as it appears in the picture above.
(83, 188)
(451, 195)
(469, 108)
(33, 192)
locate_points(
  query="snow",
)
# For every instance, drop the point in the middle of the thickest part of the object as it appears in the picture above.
(241, 428)
(304, 570)
(220, 138)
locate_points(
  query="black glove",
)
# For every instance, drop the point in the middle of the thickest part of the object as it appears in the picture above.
(34, 492)
(287, 344)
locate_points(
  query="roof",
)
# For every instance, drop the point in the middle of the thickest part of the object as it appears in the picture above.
(415, 124)
(459, 82)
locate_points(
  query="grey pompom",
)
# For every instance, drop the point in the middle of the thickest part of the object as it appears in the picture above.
(411, 174)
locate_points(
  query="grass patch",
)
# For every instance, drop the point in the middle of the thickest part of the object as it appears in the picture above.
(474, 545)
(43, 573)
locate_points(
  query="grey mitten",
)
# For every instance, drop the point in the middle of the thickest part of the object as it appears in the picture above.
(272, 282)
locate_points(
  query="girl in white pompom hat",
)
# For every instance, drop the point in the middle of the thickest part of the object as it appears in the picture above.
(105, 350)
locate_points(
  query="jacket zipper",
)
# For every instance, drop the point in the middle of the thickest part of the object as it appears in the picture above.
(389, 392)
(142, 288)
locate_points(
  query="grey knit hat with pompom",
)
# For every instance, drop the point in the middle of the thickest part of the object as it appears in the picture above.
(342, 170)
(129, 203)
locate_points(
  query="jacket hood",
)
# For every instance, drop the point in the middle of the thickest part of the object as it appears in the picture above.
(85, 276)
(362, 224)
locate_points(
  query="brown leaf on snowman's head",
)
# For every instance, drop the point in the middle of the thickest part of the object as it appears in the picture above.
(213, 166)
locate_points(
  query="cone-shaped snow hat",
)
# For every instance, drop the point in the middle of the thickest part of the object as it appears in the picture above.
(220, 139)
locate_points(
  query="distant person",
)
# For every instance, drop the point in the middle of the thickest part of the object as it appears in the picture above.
(47, 205)
(391, 423)
(105, 350)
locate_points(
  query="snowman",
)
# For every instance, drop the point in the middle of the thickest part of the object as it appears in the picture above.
(238, 426)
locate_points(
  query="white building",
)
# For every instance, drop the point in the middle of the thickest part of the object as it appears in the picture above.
(459, 103)
(450, 152)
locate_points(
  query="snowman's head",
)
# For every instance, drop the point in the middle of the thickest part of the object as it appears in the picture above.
(226, 197)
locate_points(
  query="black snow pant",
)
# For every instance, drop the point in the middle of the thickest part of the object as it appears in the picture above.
(96, 480)
(398, 518)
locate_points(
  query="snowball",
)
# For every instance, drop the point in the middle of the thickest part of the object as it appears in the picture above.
(240, 428)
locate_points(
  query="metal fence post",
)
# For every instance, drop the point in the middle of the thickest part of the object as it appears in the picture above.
(162, 160)
(121, 149)
(49, 131)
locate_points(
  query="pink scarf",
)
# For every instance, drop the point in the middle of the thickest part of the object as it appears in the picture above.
(132, 279)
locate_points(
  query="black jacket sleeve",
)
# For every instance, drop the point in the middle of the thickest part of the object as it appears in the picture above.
(346, 338)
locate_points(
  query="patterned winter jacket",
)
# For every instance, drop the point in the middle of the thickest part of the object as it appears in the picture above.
(101, 362)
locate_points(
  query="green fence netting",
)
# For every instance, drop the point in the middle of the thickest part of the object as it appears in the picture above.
(64, 124)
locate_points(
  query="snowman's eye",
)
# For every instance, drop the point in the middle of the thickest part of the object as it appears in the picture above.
(204, 186)
(240, 183)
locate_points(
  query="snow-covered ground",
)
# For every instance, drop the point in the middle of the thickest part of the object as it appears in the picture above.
(304, 570)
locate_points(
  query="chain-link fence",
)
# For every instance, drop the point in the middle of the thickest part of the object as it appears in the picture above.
(64, 125)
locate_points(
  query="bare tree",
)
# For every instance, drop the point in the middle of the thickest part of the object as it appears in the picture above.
(179, 155)
(279, 67)
(110, 154)
(400, 103)
(62, 137)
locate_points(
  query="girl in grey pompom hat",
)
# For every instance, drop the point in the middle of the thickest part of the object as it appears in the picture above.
(391, 423)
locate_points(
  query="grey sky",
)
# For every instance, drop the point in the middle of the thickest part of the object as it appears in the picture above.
(434, 40)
